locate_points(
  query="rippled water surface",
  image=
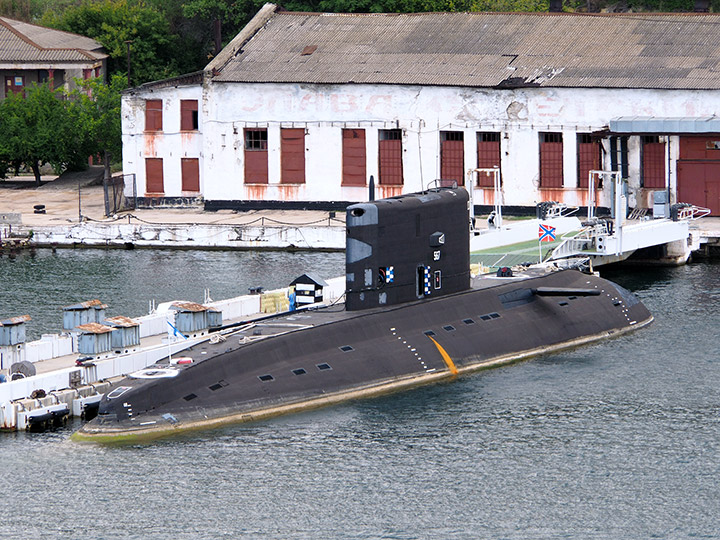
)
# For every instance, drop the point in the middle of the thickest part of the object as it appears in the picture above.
(616, 440)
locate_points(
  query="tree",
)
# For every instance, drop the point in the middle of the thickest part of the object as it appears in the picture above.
(222, 15)
(35, 128)
(155, 52)
(96, 113)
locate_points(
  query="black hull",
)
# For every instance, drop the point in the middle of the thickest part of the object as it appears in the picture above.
(341, 355)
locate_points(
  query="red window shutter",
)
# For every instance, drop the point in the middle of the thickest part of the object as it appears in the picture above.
(292, 156)
(153, 115)
(452, 156)
(488, 157)
(154, 175)
(551, 160)
(653, 162)
(188, 115)
(190, 174)
(588, 160)
(391, 171)
(354, 157)
(256, 156)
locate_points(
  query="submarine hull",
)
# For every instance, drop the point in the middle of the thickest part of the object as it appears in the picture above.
(313, 358)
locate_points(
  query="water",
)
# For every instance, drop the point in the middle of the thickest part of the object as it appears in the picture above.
(616, 440)
(42, 282)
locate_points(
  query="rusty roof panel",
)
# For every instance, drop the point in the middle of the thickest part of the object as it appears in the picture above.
(94, 328)
(12, 321)
(97, 304)
(483, 50)
(122, 322)
(188, 306)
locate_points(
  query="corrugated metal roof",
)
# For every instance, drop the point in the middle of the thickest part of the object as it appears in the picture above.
(12, 321)
(188, 306)
(97, 304)
(122, 322)
(23, 42)
(483, 50)
(94, 328)
(648, 124)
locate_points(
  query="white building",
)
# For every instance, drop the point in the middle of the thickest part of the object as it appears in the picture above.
(302, 109)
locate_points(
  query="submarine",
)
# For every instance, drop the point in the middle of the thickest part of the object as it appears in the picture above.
(412, 315)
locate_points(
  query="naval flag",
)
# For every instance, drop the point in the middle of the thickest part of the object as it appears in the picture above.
(546, 233)
(173, 332)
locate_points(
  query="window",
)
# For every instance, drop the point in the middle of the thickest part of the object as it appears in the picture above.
(153, 115)
(190, 170)
(354, 157)
(452, 156)
(188, 115)
(588, 157)
(256, 156)
(551, 160)
(14, 84)
(292, 156)
(390, 155)
(323, 367)
(154, 175)
(488, 149)
(653, 162)
(299, 371)
(266, 378)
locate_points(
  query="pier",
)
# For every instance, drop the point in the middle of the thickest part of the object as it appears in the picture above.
(53, 378)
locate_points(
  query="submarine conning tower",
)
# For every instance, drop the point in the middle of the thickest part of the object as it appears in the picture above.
(407, 248)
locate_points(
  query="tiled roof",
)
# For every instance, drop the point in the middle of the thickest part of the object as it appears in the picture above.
(498, 50)
(23, 42)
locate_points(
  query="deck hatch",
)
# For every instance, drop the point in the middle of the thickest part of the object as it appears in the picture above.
(299, 371)
(449, 328)
(190, 397)
(563, 303)
(323, 367)
(266, 378)
(346, 348)
(218, 385)
(468, 321)
(429, 333)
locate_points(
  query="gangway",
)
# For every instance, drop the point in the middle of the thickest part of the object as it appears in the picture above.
(614, 239)
(603, 240)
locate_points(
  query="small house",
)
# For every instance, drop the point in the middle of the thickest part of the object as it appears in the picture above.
(92, 311)
(94, 338)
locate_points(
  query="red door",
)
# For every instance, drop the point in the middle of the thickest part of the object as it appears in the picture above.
(452, 157)
(154, 176)
(699, 184)
(190, 170)
(390, 154)
(354, 157)
(292, 156)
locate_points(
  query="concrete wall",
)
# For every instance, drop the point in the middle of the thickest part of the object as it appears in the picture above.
(421, 112)
(170, 144)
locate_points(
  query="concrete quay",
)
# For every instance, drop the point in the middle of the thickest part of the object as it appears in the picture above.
(74, 217)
